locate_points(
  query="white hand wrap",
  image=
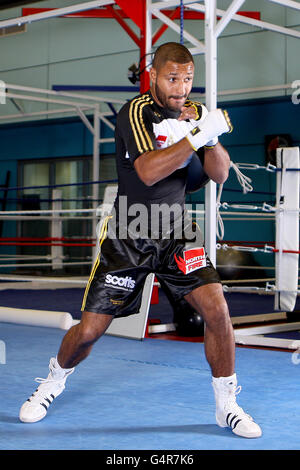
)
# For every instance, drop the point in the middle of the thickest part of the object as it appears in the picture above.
(216, 123)
(212, 143)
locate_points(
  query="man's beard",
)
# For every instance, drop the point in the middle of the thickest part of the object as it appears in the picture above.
(163, 99)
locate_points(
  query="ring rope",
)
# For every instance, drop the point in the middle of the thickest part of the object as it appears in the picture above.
(245, 182)
(44, 244)
(54, 211)
(257, 215)
(91, 210)
(27, 258)
(39, 265)
(234, 190)
(264, 207)
(12, 277)
(37, 199)
(44, 239)
(269, 167)
(237, 266)
(239, 281)
(253, 249)
(22, 188)
(255, 166)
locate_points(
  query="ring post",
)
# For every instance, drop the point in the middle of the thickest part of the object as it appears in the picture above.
(287, 228)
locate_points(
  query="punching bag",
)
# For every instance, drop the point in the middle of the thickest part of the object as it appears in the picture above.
(188, 322)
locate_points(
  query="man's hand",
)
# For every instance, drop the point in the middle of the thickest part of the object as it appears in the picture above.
(216, 123)
(188, 113)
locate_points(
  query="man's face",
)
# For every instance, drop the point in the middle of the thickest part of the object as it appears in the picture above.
(171, 84)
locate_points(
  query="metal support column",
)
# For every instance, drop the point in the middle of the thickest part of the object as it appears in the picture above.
(211, 104)
(145, 46)
(148, 34)
(96, 165)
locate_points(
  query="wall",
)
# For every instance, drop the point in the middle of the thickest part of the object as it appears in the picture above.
(72, 51)
(65, 51)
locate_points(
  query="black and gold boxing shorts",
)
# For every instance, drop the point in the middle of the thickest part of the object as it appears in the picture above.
(117, 279)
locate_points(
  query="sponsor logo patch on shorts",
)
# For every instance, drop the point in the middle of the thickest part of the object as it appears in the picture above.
(192, 260)
(124, 283)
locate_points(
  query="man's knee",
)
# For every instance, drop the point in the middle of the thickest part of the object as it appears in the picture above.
(217, 315)
(92, 326)
(210, 302)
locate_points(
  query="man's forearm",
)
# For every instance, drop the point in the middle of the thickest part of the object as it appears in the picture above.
(217, 163)
(156, 165)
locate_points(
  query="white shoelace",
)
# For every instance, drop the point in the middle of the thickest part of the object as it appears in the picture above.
(47, 380)
(51, 379)
(231, 404)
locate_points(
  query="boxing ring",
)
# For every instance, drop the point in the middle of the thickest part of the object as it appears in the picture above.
(285, 248)
(67, 102)
(36, 310)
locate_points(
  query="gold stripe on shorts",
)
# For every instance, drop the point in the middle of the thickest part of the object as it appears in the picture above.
(102, 237)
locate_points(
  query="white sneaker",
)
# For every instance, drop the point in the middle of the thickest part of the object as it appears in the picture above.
(228, 413)
(36, 407)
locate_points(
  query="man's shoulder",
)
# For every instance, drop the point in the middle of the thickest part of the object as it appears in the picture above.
(137, 101)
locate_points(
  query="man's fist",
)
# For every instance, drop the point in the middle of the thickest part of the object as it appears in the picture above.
(217, 122)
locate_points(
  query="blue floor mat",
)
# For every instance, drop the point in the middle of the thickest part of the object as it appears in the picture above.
(149, 394)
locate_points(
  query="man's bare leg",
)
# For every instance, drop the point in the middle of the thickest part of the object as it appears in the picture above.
(76, 346)
(209, 302)
(79, 340)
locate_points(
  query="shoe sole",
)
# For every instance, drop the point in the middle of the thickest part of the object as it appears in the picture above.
(35, 420)
(248, 436)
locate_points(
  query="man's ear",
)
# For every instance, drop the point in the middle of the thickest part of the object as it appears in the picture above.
(153, 74)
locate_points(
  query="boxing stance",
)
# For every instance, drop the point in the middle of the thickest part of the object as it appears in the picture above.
(156, 135)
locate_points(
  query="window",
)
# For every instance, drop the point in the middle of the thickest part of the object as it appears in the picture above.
(51, 173)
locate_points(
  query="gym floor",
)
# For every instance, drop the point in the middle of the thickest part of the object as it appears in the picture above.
(150, 394)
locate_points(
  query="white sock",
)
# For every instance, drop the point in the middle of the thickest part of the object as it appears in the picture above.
(59, 371)
(224, 388)
(231, 379)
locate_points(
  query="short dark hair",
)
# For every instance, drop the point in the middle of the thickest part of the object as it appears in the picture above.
(173, 51)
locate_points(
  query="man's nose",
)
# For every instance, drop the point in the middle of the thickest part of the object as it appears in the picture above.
(180, 88)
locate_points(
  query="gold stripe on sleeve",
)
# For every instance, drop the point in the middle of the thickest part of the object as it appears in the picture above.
(150, 144)
(142, 138)
(133, 127)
